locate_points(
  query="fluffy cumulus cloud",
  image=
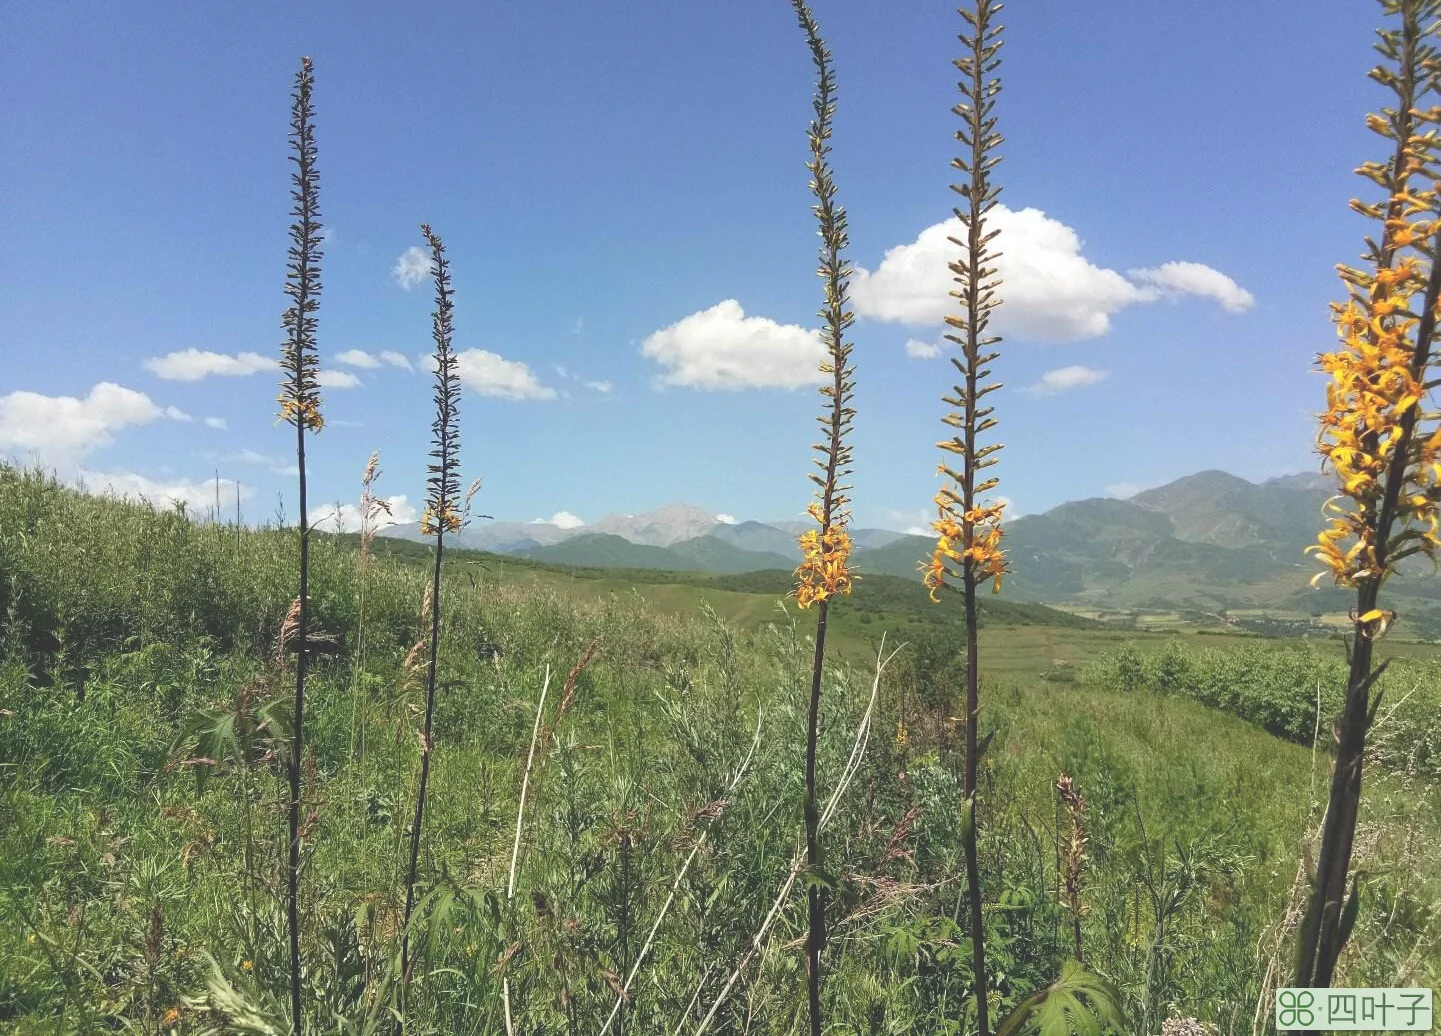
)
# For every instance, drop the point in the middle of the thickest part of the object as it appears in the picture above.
(198, 497)
(194, 364)
(919, 350)
(722, 348)
(59, 431)
(337, 379)
(726, 519)
(1052, 292)
(412, 267)
(1064, 379)
(346, 517)
(563, 519)
(493, 375)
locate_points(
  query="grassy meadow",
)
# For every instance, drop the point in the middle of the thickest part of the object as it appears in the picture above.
(266, 780)
(142, 835)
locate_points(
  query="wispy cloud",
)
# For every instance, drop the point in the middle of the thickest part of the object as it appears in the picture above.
(216, 422)
(1051, 290)
(1064, 379)
(919, 350)
(396, 359)
(194, 364)
(1195, 279)
(358, 358)
(337, 379)
(411, 268)
(722, 348)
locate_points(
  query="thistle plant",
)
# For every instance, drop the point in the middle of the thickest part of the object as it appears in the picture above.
(969, 533)
(441, 516)
(300, 406)
(823, 572)
(1389, 469)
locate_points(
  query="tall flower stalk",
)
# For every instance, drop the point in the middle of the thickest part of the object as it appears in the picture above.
(442, 515)
(300, 406)
(823, 572)
(969, 534)
(1388, 468)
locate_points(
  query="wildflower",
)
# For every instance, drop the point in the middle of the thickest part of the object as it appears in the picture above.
(171, 1016)
(903, 736)
(246, 966)
(1388, 469)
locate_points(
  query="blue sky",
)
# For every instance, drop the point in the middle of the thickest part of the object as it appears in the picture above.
(622, 191)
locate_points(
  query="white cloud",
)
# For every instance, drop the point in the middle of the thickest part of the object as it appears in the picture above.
(277, 465)
(1122, 490)
(198, 497)
(722, 348)
(563, 519)
(396, 359)
(603, 387)
(919, 350)
(726, 519)
(346, 518)
(1050, 290)
(358, 358)
(216, 422)
(176, 414)
(578, 327)
(493, 375)
(1195, 279)
(1063, 379)
(194, 364)
(336, 379)
(60, 430)
(411, 268)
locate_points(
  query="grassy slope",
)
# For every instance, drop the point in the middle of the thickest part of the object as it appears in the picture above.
(75, 776)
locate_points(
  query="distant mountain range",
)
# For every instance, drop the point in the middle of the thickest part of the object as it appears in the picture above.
(1206, 541)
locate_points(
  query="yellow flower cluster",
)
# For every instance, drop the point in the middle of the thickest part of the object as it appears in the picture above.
(823, 573)
(431, 523)
(1374, 392)
(903, 736)
(974, 540)
(308, 410)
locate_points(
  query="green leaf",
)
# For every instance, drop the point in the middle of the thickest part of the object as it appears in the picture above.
(1079, 1003)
